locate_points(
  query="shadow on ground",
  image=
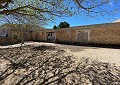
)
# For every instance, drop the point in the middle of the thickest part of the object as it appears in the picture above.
(112, 46)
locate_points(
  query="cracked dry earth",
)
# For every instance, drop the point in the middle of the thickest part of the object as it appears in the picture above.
(54, 64)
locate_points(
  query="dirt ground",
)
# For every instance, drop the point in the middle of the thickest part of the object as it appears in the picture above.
(38, 63)
(108, 55)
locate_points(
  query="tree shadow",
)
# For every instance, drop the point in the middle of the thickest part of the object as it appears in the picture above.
(43, 66)
(99, 45)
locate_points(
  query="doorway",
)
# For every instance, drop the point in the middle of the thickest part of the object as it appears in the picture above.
(50, 36)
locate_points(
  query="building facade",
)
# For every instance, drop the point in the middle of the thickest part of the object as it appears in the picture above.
(108, 33)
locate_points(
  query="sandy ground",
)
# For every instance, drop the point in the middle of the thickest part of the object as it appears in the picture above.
(94, 53)
(28, 43)
(107, 55)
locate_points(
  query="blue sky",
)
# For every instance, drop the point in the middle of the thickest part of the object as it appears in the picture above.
(82, 19)
(78, 20)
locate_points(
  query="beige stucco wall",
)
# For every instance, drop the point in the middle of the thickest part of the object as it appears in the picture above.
(105, 36)
(38, 36)
(99, 26)
(65, 35)
(73, 36)
(5, 40)
(27, 36)
(18, 34)
(102, 33)
(62, 35)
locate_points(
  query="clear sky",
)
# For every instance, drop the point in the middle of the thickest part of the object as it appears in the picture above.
(78, 20)
(82, 19)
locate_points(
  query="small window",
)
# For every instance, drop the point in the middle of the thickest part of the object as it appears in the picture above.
(15, 36)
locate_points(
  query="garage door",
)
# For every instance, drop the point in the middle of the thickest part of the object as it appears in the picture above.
(82, 37)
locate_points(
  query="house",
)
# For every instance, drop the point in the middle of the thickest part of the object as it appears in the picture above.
(14, 32)
(106, 33)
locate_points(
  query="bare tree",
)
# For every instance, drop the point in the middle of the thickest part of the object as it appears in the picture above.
(16, 24)
(87, 5)
(39, 10)
(44, 10)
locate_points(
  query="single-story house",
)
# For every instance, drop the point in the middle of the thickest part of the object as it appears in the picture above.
(107, 33)
(14, 32)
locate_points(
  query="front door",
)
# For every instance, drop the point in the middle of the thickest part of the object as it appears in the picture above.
(51, 36)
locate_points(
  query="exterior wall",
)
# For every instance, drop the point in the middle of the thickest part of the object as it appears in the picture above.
(73, 36)
(27, 36)
(65, 35)
(101, 34)
(83, 36)
(39, 36)
(68, 35)
(5, 29)
(18, 36)
(105, 36)
(5, 40)
(98, 26)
